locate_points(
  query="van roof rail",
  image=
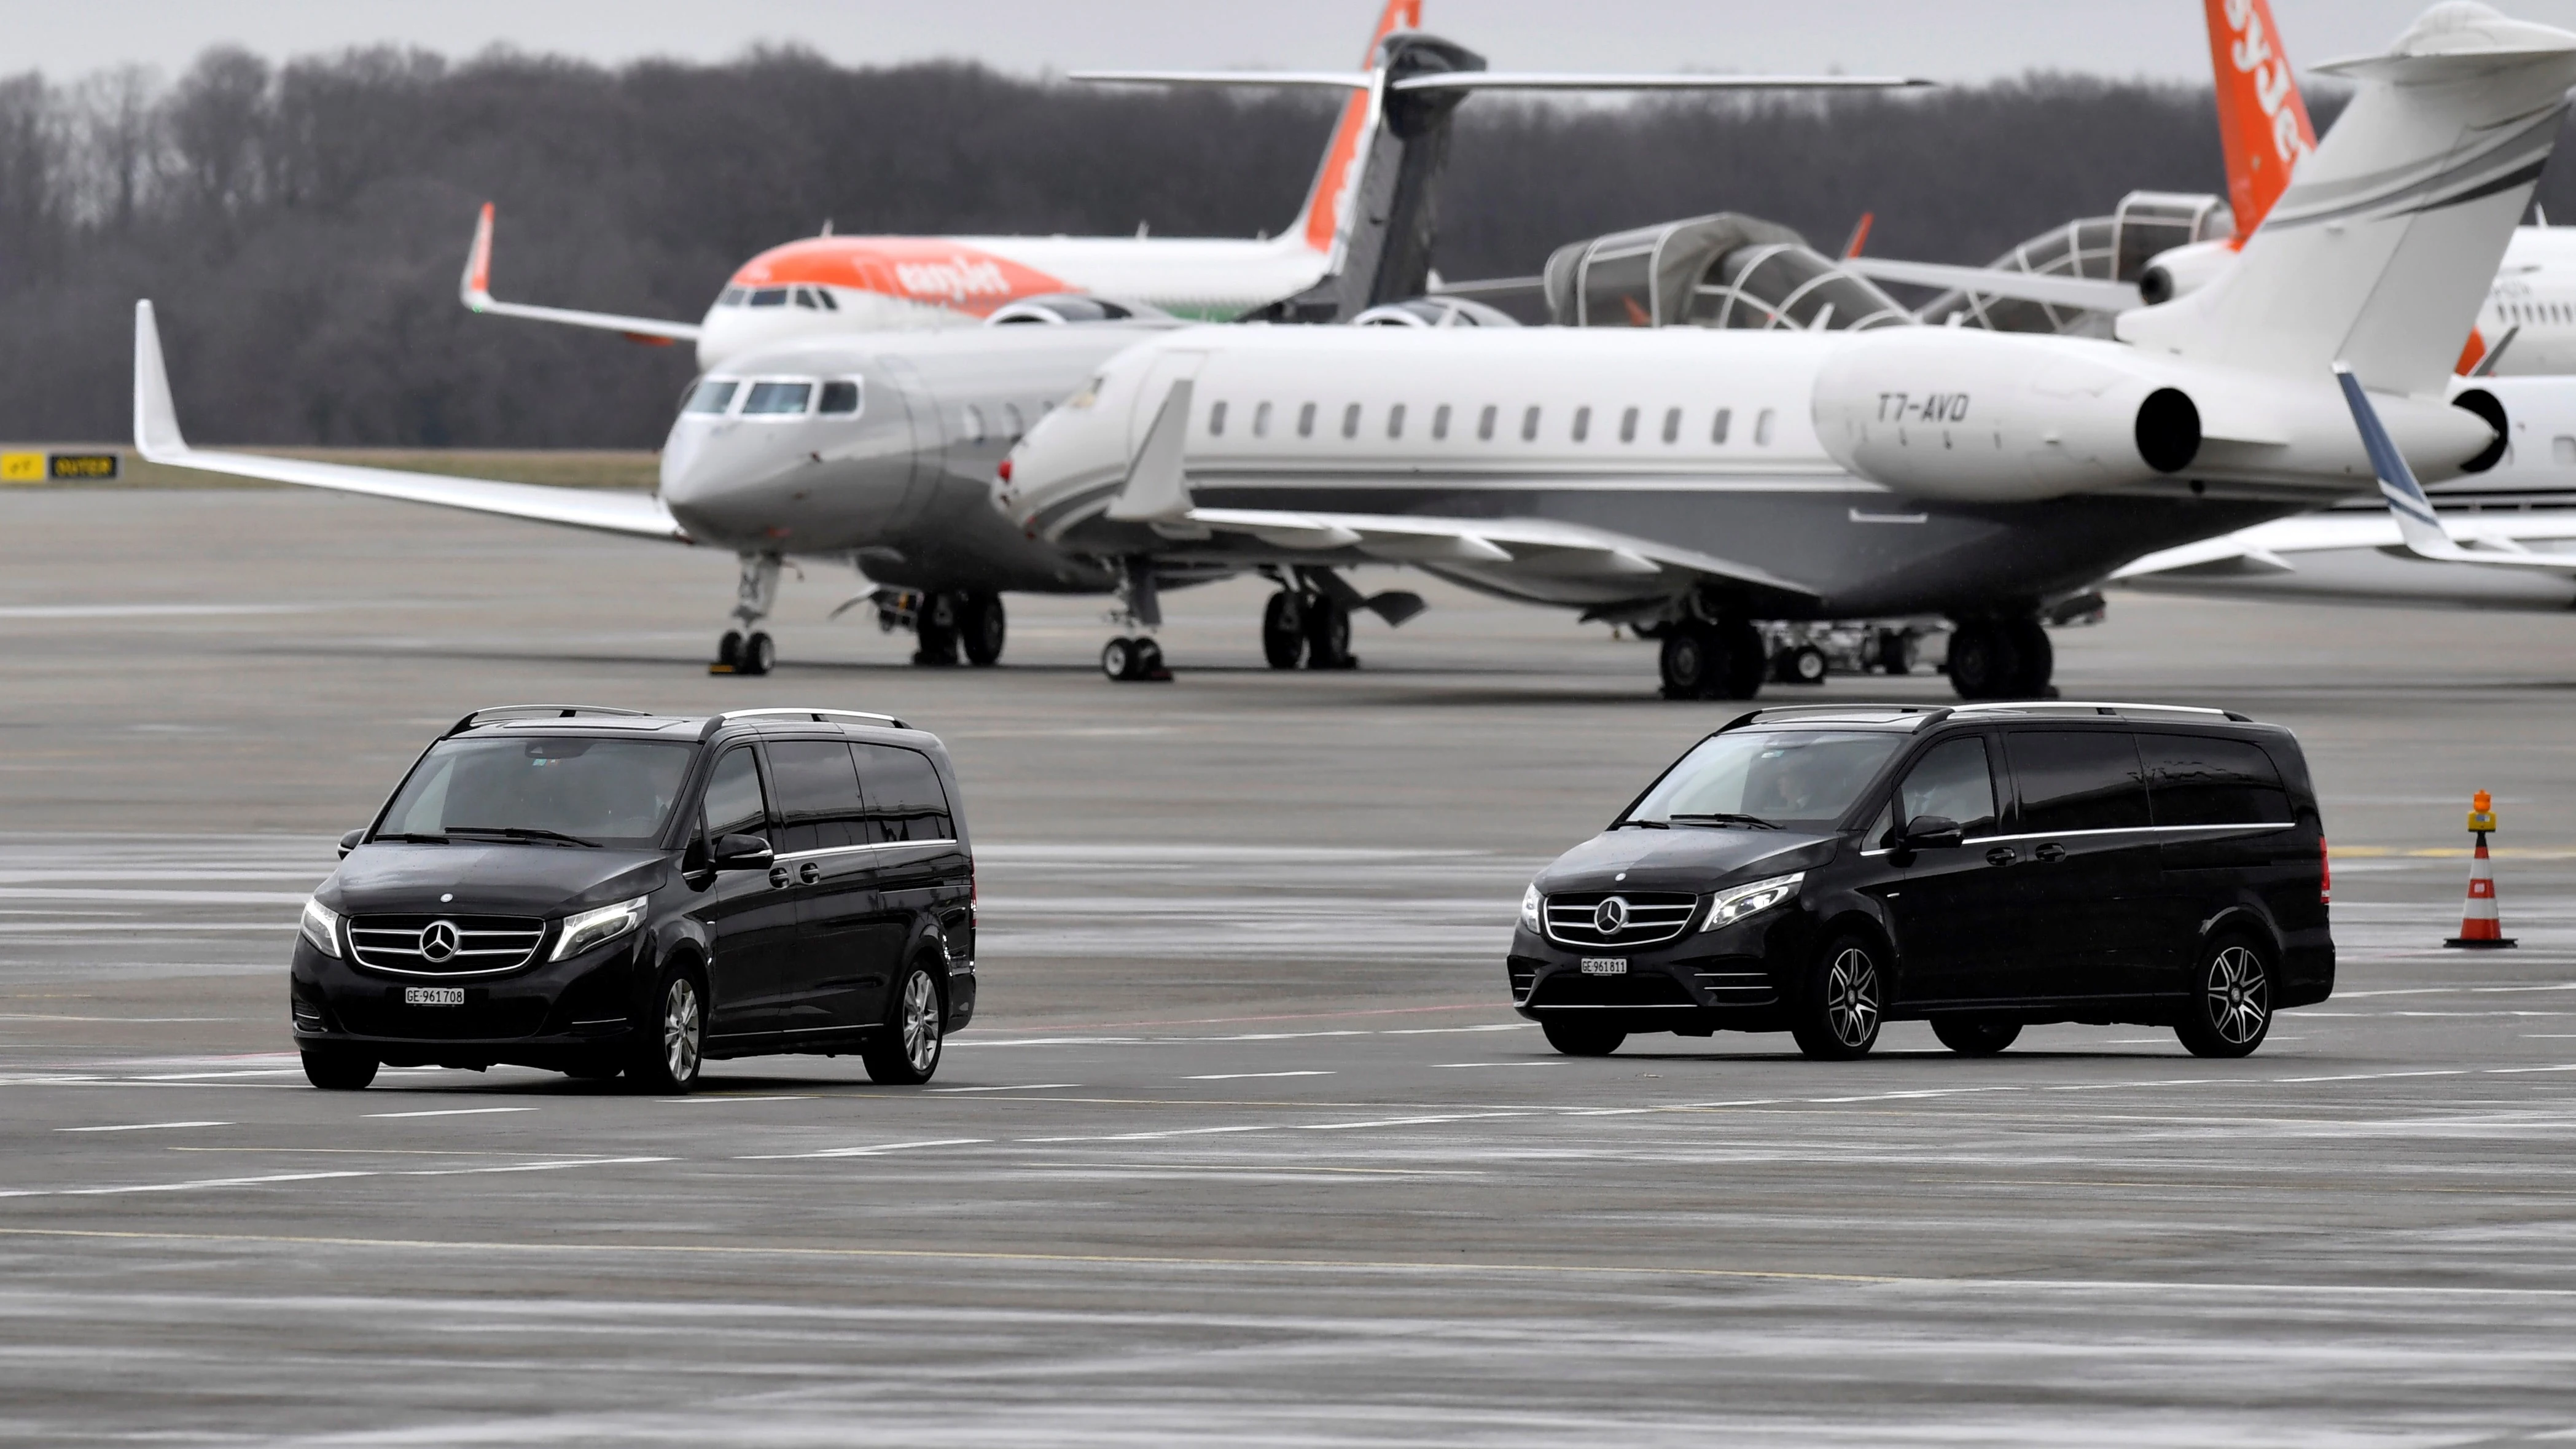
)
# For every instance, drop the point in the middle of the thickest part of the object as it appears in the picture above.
(566, 711)
(2100, 707)
(1856, 707)
(819, 716)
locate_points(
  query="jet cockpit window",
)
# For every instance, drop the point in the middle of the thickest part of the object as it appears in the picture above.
(712, 396)
(731, 297)
(840, 397)
(824, 296)
(769, 297)
(777, 399)
(805, 299)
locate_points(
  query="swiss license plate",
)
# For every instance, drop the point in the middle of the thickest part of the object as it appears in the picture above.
(1605, 965)
(445, 995)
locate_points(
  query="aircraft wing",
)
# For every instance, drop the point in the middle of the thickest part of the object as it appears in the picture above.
(2087, 292)
(475, 290)
(2417, 524)
(1500, 80)
(158, 439)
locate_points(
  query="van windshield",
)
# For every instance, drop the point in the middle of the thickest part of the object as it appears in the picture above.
(1783, 779)
(560, 791)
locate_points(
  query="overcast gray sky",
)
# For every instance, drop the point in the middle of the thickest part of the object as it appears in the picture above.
(1944, 39)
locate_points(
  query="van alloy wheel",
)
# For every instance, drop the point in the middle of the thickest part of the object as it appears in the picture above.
(683, 1026)
(2231, 1012)
(904, 1052)
(1838, 1015)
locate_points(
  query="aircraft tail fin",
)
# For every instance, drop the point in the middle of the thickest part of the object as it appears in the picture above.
(2380, 251)
(2262, 121)
(1330, 200)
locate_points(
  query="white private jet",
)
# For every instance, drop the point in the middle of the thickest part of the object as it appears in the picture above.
(1690, 482)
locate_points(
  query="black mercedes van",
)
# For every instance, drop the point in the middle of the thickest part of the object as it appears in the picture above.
(600, 891)
(1824, 869)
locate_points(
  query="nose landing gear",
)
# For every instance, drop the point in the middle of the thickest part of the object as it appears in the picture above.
(1136, 659)
(749, 649)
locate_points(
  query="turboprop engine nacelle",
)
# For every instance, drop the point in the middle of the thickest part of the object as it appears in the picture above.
(1971, 416)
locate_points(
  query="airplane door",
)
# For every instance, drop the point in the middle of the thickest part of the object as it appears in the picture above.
(929, 438)
(1169, 368)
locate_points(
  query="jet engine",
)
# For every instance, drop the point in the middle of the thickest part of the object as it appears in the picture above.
(1970, 416)
(1058, 309)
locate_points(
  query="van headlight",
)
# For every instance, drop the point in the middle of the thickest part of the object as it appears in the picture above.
(1737, 902)
(1529, 906)
(598, 928)
(321, 927)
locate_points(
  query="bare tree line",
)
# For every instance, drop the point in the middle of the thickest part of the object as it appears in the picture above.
(301, 226)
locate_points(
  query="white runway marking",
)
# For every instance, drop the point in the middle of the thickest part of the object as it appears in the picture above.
(1021, 1087)
(219, 1182)
(453, 1112)
(1501, 1064)
(1246, 1076)
(720, 1097)
(141, 1126)
(864, 1151)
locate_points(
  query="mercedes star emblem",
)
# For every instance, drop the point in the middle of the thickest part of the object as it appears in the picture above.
(438, 941)
(1611, 916)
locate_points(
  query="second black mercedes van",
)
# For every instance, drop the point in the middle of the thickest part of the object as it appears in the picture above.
(1822, 870)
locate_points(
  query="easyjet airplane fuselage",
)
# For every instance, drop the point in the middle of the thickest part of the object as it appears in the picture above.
(847, 283)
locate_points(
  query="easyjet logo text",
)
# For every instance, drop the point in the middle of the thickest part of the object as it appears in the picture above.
(957, 278)
(2253, 55)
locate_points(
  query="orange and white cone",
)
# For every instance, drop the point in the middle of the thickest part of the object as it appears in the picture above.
(2480, 926)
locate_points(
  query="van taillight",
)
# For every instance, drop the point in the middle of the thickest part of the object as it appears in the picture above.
(2325, 874)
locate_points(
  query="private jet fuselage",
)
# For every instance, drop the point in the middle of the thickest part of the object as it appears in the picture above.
(882, 448)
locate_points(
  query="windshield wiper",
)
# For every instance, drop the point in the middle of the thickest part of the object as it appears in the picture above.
(416, 838)
(521, 832)
(1642, 825)
(1720, 817)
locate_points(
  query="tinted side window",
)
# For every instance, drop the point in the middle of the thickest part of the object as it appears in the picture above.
(905, 801)
(734, 804)
(1953, 781)
(818, 795)
(2197, 781)
(2077, 780)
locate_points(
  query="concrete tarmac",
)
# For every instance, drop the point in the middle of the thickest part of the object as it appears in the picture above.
(1246, 1144)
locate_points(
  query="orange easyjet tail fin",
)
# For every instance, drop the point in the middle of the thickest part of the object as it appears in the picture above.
(1320, 222)
(2262, 122)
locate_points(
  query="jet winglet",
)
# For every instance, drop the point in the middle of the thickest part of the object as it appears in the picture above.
(156, 417)
(2416, 522)
(475, 287)
(1157, 490)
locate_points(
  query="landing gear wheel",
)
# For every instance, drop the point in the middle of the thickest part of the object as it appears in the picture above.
(1582, 1038)
(1283, 630)
(2037, 658)
(667, 1058)
(1836, 1015)
(1974, 1036)
(1746, 661)
(1118, 659)
(2231, 1010)
(981, 625)
(1983, 662)
(729, 649)
(335, 1070)
(1894, 651)
(1694, 661)
(906, 1051)
(1804, 664)
(1328, 635)
(934, 630)
(758, 654)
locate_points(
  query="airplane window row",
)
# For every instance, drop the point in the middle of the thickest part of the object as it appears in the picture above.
(1630, 422)
(773, 397)
(811, 298)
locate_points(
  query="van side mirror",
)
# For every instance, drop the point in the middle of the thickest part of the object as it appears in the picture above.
(351, 841)
(743, 852)
(1932, 832)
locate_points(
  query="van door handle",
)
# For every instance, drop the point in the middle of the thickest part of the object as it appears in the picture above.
(2001, 855)
(778, 877)
(2050, 851)
(809, 872)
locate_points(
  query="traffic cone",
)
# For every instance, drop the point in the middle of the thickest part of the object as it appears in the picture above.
(2480, 927)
